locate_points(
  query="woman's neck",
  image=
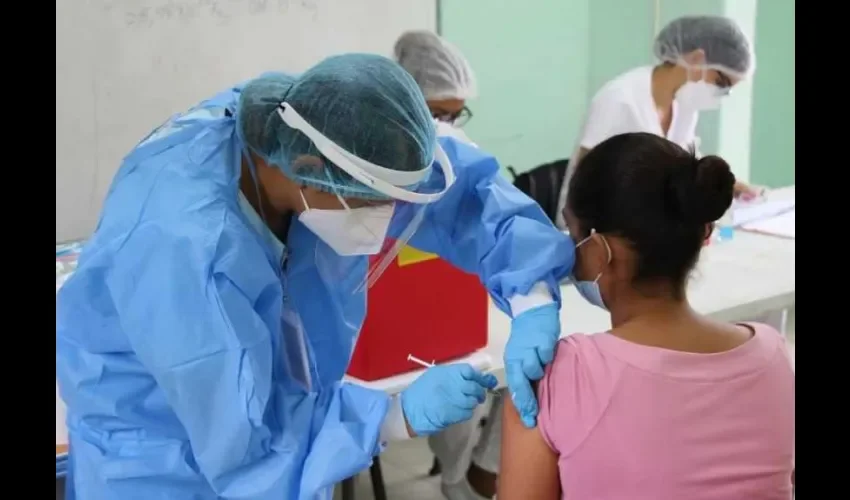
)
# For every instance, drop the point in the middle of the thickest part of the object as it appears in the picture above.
(675, 326)
(656, 322)
(640, 308)
(666, 81)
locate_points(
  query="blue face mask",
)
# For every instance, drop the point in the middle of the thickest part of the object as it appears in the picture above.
(589, 290)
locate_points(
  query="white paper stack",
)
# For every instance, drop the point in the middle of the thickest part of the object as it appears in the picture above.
(783, 225)
(745, 213)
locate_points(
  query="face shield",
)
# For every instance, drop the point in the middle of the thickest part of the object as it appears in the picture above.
(408, 192)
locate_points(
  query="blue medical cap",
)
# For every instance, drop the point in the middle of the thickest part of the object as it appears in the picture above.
(367, 104)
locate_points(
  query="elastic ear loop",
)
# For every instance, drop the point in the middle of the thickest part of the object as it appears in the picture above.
(607, 247)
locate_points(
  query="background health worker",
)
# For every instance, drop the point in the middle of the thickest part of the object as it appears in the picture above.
(468, 460)
(202, 340)
(702, 59)
(444, 76)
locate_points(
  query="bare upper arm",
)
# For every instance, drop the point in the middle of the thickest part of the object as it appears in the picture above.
(529, 468)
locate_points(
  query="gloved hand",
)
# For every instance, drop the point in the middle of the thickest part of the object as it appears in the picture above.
(444, 395)
(530, 348)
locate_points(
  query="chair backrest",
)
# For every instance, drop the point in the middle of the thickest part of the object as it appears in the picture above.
(543, 184)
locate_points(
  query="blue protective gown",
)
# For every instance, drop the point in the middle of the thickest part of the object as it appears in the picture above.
(195, 366)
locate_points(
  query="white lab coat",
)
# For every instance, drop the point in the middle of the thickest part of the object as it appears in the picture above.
(625, 105)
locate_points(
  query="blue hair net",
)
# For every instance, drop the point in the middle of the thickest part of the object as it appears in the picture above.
(367, 104)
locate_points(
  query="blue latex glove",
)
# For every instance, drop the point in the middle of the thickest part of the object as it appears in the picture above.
(444, 395)
(530, 348)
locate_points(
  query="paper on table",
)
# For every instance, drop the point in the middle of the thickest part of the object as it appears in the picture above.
(749, 212)
(783, 225)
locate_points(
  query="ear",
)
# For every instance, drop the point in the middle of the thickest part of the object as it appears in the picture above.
(308, 165)
(709, 228)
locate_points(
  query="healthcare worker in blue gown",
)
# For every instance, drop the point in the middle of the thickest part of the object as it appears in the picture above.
(202, 342)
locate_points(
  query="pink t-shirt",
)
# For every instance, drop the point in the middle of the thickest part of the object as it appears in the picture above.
(637, 422)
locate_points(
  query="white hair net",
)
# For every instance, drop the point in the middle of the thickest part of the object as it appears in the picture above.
(726, 47)
(437, 66)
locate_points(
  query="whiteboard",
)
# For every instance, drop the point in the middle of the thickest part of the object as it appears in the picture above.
(124, 66)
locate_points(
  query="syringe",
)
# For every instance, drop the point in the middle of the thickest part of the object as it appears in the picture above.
(425, 364)
(411, 357)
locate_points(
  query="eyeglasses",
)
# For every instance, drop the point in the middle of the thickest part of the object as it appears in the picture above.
(458, 119)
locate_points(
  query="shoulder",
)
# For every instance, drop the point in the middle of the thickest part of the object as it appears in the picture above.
(575, 390)
(578, 354)
(771, 343)
(446, 130)
(625, 89)
(766, 330)
(164, 203)
(464, 155)
(617, 107)
(612, 103)
(177, 242)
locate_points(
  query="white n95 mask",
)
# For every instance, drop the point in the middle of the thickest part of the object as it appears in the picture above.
(700, 96)
(349, 231)
(447, 130)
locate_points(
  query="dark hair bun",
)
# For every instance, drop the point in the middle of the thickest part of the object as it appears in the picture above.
(703, 188)
(653, 194)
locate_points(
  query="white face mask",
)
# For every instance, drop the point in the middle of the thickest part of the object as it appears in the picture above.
(349, 231)
(446, 130)
(699, 95)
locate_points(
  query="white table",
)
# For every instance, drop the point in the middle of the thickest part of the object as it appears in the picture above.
(736, 280)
